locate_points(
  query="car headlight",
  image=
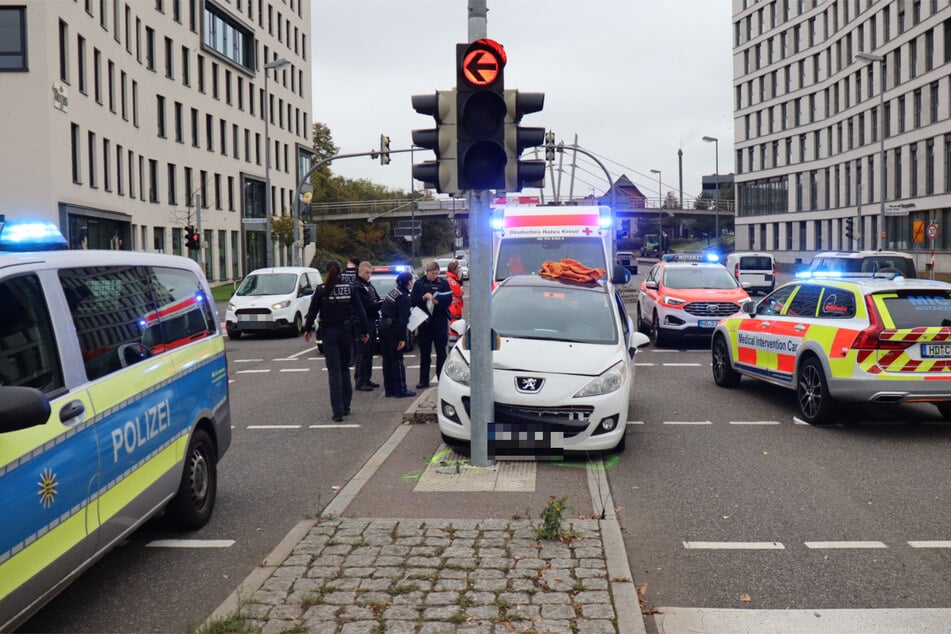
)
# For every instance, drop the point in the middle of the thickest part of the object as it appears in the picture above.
(281, 305)
(232, 307)
(609, 381)
(456, 368)
(673, 301)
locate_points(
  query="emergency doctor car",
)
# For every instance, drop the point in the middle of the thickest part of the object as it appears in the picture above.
(878, 339)
(113, 407)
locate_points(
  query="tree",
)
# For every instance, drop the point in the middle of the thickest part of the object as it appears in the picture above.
(703, 201)
(324, 146)
(282, 229)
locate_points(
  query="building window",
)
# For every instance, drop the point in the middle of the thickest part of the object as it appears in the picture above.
(218, 191)
(947, 163)
(228, 36)
(223, 136)
(172, 185)
(74, 142)
(897, 173)
(135, 103)
(97, 75)
(179, 123)
(150, 48)
(201, 74)
(214, 80)
(91, 148)
(209, 133)
(195, 142)
(153, 181)
(169, 62)
(13, 45)
(111, 85)
(120, 155)
(917, 107)
(160, 114)
(929, 166)
(913, 177)
(106, 153)
(63, 51)
(186, 71)
(81, 62)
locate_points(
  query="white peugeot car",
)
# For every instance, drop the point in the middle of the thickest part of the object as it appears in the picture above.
(563, 369)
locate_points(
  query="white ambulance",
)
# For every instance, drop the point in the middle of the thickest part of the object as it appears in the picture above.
(524, 237)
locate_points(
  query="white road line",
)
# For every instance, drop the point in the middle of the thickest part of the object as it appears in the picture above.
(295, 369)
(246, 360)
(332, 426)
(734, 546)
(681, 365)
(273, 426)
(297, 354)
(754, 422)
(265, 371)
(635, 422)
(931, 544)
(644, 365)
(799, 421)
(671, 620)
(844, 544)
(190, 543)
(688, 422)
(664, 350)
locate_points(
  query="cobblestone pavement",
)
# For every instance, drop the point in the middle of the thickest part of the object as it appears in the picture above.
(397, 576)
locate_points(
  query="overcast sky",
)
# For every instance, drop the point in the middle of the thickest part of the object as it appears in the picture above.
(636, 80)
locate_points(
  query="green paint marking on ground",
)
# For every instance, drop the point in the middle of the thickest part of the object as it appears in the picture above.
(411, 475)
(606, 463)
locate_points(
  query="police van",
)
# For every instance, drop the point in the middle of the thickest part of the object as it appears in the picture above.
(113, 407)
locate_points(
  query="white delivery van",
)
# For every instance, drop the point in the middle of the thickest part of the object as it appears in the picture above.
(524, 237)
(753, 268)
(274, 299)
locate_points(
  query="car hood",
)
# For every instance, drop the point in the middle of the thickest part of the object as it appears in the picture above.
(258, 301)
(553, 357)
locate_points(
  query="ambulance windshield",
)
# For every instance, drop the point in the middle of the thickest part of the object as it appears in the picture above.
(520, 256)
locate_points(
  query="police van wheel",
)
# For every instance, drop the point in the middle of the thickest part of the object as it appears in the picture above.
(234, 333)
(723, 373)
(192, 506)
(812, 392)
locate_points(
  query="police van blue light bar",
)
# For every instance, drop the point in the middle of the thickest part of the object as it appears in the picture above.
(30, 235)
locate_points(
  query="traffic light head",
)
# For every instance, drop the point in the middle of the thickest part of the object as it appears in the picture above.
(308, 234)
(384, 150)
(519, 173)
(481, 110)
(849, 228)
(441, 173)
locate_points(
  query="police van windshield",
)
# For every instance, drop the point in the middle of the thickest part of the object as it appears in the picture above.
(520, 256)
(268, 284)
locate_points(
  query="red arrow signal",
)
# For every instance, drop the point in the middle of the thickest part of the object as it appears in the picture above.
(480, 67)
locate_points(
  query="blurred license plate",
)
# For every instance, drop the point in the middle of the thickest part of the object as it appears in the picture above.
(524, 440)
(936, 350)
(708, 323)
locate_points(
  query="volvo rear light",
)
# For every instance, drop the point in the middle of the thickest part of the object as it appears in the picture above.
(869, 339)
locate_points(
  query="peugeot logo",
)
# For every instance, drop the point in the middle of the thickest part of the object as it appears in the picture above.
(528, 384)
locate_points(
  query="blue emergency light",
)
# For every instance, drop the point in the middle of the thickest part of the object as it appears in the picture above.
(30, 235)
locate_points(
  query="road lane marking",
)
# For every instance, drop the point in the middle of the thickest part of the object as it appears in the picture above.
(644, 365)
(265, 371)
(190, 543)
(297, 354)
(247, 360)
(681, 365)
(295, 369)
(930, 544)
(734, 546)
(754, 422)
(844, 544)
(344, 426)
(635, 422)
(273, 426)
(687, 422)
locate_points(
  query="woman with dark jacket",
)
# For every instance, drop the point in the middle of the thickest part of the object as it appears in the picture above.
(395, 317)
(338, 306)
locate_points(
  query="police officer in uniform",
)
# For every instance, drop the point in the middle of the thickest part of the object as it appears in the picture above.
(363, 366)
(350, 276)
(433, 296)
(338, 307)
(395, 317)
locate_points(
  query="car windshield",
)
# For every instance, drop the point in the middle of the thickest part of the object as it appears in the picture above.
(756, 262)
(561, 313)
(699, 277)
(383, 283)
(518, 256)
(267, 284)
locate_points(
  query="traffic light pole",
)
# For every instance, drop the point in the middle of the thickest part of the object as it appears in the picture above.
(297, 256)
(201, 243)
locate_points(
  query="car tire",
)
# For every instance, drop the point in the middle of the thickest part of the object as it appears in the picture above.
(816, 406)
(657, 334)
(191, 507)
(641, 326)
(297, 326)
(461, 447)
(234, 333)
(723, 373)
(945, 409)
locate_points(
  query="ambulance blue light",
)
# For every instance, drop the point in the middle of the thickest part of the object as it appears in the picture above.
(606, 222)
(30, 235)
(497, 223)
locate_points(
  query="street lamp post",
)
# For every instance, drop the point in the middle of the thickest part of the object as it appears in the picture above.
(716, 199)
(660, 217)
(871, 57)
(277, 63)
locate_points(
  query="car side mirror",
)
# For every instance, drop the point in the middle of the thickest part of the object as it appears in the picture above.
(652, 284)
(749, 307)
(304, 292)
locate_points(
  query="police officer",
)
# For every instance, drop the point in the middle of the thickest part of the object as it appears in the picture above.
(433, 296)
(395, 317)
(363, 366)
(338, 306)
(350, 275)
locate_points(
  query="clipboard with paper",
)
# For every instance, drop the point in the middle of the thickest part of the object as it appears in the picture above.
(416, 317)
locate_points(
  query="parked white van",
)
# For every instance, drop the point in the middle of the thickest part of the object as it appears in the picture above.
(756, 269)
(271, 299)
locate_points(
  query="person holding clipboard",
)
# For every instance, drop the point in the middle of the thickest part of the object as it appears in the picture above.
(432, 295)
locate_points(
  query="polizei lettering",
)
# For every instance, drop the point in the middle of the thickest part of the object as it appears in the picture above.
(772, 344)
(141, 429)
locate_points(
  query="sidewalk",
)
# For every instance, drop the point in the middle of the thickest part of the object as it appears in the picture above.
(420, 541)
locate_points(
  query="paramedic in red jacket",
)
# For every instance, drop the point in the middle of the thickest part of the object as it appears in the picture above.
(455, 285)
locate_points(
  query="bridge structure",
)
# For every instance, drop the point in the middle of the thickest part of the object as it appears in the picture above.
(454, 208)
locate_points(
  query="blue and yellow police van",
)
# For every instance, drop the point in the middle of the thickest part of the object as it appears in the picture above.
(113, 406)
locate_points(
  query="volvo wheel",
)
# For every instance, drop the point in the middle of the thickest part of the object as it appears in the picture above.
(812, 392)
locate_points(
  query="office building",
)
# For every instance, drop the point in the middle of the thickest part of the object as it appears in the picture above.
(824, 91)
(119, 116)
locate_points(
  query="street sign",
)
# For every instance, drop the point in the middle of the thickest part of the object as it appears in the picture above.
(408, 224)
(253, 221)
(918, 231)
(932, 231)
(898, 209)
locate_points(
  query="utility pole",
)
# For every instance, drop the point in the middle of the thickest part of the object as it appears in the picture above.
(201, 242)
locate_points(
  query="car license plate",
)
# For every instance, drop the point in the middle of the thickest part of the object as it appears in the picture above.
(708, 323)
(525, 440)
(936, 350)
